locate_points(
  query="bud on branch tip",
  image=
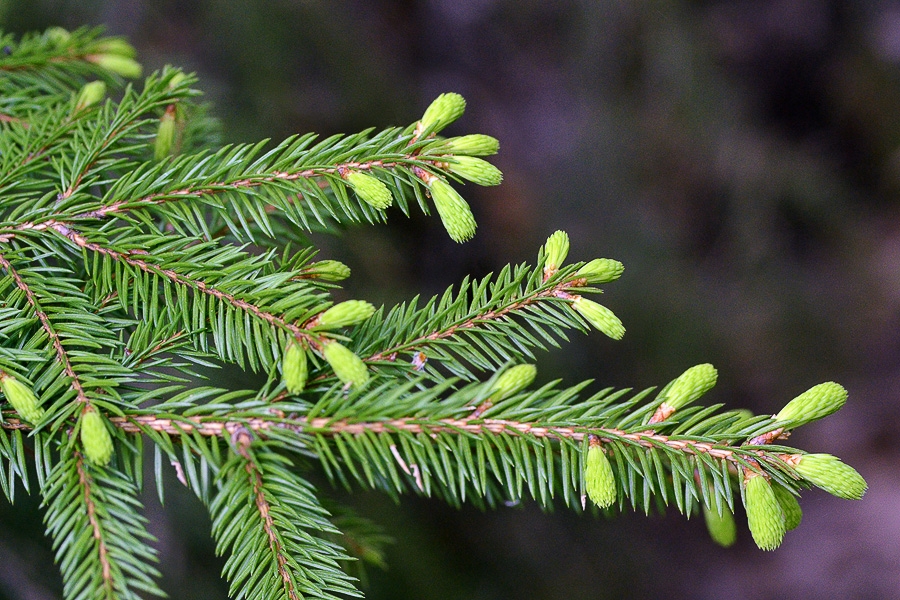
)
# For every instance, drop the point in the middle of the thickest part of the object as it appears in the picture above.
(600, 317)
(764, 515)
(348, 367)
(445, 109)
(599, 481)
(21, 397)
(95, 438)
(454, 211)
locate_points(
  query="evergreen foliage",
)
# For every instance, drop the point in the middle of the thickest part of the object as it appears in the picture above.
(138, 256)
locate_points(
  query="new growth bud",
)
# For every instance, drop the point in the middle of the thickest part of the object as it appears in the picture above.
(556, 249)
(294, 368)
(454, 212)
(813, 404)
(793, 514)
(722, 528)
(370, 189)
(445, 109)
(118, 64)
(690, 385)
(600, 317)
(476, 144)
(512, 381)
(117, 46)
(95, 438)
(764, 515)
(22, 398)
(165, 135)
(90, 94)
(328, 270)
(345, 314)
(600, 270)
(475, 170)
(829, 473)
(348, 367)
(599, 481)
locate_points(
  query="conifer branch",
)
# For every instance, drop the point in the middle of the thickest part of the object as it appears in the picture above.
(125, 250)
(55, 340)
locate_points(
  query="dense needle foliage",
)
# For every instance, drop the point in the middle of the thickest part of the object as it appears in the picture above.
(139, 257)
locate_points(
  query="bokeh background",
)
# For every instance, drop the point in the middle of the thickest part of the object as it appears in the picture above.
(742, 158)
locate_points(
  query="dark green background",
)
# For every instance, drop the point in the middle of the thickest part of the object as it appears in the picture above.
(742, 158)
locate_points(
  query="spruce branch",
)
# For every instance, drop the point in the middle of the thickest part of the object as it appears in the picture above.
(138, 258)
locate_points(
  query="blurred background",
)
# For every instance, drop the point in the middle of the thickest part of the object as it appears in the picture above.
(741, 158)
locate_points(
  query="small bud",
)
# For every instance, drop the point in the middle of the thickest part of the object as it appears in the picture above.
(118, 64)
(57, 35)
(90, 94)
(348, 367)
(328, 270)
(95, 438)
(116, 46)
(793, 514)
(764, 515)
(370, 189)
(600, 317)
(475, 170)
(22, 398)
(165, 135)
(813, 404)
(599, 481)
(293, 368)
(476, 144)
(445, 109)
(600, 270)
(176, 80)
(833, 476)
(690, 385)
(556, 249)
(345, 314)
(722, 528)
(512, 381)
(454, 212)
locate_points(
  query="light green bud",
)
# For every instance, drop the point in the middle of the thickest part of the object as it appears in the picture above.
(512, 381)
(328, 270)
(90, 94)
(829, 473)
(793, 514)
(600, 270)
(454, 212)
(22, 398)
(58, 35)
(600, 317)
(476, 170)
(345, 314)
(476, 144)
(116, 46)
(95, 438)
(722, 528)
(370, 189)
(165, 136)
(294, 368)
(445, 109)
(348, 367)
(764, 515)
(118, 64)
(599, 481)
(813, 404)
(556, 249)
(176, 80)
(690, 385)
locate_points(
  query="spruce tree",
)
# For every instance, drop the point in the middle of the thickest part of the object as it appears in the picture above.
(139, 258)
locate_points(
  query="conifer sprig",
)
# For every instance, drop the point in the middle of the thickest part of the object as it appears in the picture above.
(138, 257)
